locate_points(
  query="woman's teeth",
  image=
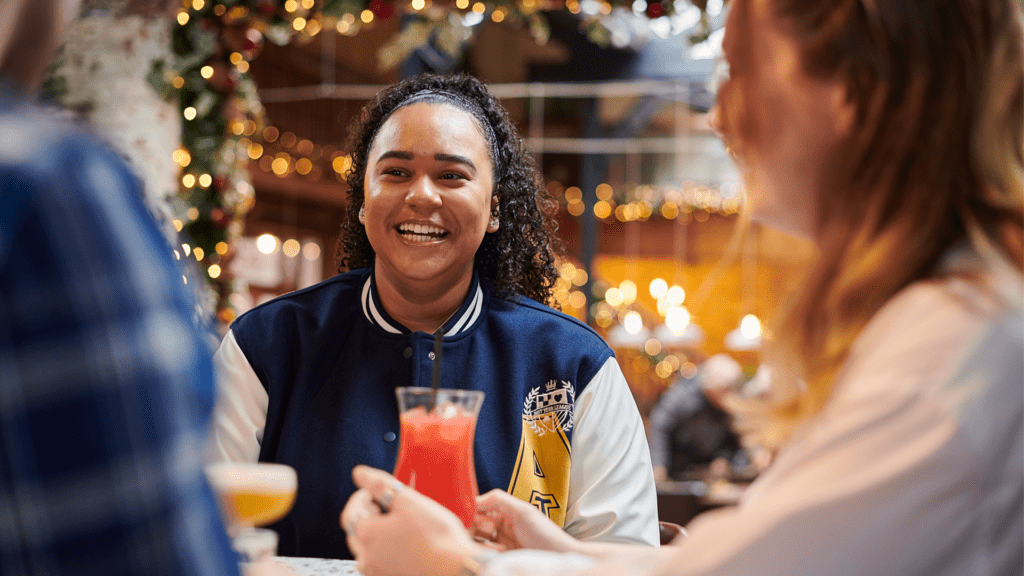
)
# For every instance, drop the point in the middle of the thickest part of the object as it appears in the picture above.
(421, 232)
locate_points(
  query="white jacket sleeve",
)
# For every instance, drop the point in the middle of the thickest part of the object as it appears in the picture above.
(612, 496)
(241, 412)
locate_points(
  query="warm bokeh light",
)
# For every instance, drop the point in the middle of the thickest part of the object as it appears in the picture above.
(462, 4)
(188, 180)
(270, 134)
(198, 4)
(498, 15)
(366, 16)
(303, 166)
(182, 18)
(676, 318)
(213, 271)
(675, 295)
(311, 251)
(633, 322)
(255, 151)
(567, 269)
(205, 180)
(178, 224)
(187, 249)
(266, 243)
(199, 253)
(181, 157)
(652, 346)
(604, 191)
(573, 194)
(576, 208)
(750, 327)
(577, 299)
(189, 113)
(291, 247)
(688, 370)
(221, 248)
(280, 166)
(658, 288)
(663, 369)
(206, 72)
(613, 296)
(417, 4)
(341, 164)
(602, 209)
(291, 6)
(192, 213)
(479, 7)
(580, 277)
(298, 24)
(628, 288)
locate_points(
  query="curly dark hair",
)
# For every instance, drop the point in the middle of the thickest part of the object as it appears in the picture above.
(518, 259)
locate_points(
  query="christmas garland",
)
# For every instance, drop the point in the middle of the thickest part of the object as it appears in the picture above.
(215, 40)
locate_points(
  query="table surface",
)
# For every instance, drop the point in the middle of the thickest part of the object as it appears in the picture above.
(319, 566)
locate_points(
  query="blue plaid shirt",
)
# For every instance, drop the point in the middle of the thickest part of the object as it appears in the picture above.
(106, 389)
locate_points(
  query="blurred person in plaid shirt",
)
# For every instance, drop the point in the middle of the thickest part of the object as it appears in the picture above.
(106, 388)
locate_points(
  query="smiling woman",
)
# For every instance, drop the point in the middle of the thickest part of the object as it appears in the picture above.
(448, 233)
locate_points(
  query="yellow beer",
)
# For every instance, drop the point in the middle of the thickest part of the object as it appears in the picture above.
(254, 494)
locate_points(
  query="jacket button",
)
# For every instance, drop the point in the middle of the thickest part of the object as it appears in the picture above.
(389, 436)
(430, 355)
(407, 353)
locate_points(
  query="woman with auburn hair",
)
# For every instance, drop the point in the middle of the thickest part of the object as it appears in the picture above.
(890, 135)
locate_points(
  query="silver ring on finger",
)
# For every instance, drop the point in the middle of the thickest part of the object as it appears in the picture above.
(389, 495)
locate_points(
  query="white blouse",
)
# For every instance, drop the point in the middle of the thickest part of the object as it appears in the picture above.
(914, 467)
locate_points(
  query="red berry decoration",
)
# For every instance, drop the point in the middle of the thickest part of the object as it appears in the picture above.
(265, 8)
(654, 10)
(381, 10)
(219, 218)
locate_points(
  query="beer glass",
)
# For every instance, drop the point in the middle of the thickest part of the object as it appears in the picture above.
(435, 452)
(253, 494)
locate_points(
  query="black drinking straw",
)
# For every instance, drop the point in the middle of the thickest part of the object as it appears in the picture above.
(435, 377)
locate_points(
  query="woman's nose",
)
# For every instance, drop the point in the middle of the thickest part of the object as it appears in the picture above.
(423, 193)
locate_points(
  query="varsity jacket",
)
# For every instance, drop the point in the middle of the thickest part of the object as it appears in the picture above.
(308, 380)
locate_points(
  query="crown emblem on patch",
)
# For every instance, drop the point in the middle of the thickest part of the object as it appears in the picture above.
(551, 409)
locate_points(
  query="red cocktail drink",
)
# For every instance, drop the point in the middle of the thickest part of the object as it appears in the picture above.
(435, 455)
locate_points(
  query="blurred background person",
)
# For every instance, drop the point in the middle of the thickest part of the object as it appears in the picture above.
(891, 134)
(691, 428)
(106, 389)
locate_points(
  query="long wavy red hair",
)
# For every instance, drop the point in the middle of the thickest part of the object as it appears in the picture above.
(934, 158)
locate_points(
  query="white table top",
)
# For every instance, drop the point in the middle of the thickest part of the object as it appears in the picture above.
(319, 566)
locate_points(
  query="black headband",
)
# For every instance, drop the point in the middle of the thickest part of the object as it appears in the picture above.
(430, 95)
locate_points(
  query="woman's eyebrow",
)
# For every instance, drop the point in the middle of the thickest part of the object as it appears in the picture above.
(455, 158)
(400, 154)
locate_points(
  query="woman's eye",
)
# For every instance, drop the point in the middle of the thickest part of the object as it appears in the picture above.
(452, 176)
(394, 172)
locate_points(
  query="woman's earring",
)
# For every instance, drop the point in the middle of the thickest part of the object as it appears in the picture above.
(494, 222)
(362, 214)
